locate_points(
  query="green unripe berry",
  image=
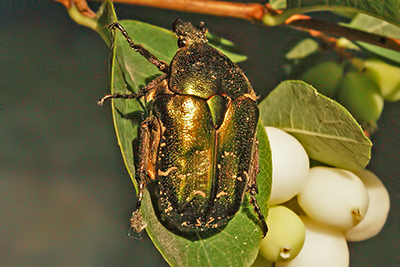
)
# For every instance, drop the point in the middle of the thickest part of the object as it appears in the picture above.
(325, 77)
(361, 96)
(285, 237)
(386, 76)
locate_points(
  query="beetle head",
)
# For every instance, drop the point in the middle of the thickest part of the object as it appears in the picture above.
(188, 34)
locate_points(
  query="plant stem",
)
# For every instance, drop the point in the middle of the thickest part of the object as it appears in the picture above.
(80, 5)
(261, 13)
(249, 11)
(308, 24)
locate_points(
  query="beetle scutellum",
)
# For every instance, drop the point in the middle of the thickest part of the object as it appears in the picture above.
(198, 145)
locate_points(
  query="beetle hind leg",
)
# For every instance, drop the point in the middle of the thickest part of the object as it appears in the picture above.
(137, 224)
(252, 186)
(150, 132)
(257, 210)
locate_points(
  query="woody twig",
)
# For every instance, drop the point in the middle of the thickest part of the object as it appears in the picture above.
(257, 13)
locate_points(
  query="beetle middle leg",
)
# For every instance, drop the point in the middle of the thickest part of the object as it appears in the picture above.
(155, 84)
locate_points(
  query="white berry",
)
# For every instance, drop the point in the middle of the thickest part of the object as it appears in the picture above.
(378, 209)
(290, 166)
(334, 197)
(323, 247)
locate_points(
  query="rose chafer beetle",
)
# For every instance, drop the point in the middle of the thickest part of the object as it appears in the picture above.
(198, 152)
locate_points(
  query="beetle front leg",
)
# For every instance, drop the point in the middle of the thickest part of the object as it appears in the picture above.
(162, 66)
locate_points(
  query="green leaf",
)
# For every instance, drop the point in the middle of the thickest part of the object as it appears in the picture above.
(278, 4)
(226, 47)
(303, 49)
(388, 54)
(261, 262)
(387, 10)
(374, 25)
(327, 131)
(104, 17)
(235, 245)
(380, 27)
(264, 179)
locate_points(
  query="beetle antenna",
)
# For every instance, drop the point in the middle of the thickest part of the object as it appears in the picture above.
(162, 66)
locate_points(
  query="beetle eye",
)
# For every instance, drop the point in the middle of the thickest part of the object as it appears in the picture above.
(181, 42)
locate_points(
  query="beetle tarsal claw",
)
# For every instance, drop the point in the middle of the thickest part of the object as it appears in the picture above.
(107, 97)
(137, 224)
(101, 100)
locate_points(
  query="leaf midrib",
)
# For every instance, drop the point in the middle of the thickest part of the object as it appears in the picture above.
(305, 132)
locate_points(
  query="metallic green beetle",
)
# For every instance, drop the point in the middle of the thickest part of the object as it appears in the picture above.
(198, 147)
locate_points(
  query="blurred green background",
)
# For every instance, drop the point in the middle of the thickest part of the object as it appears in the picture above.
(65, 196)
